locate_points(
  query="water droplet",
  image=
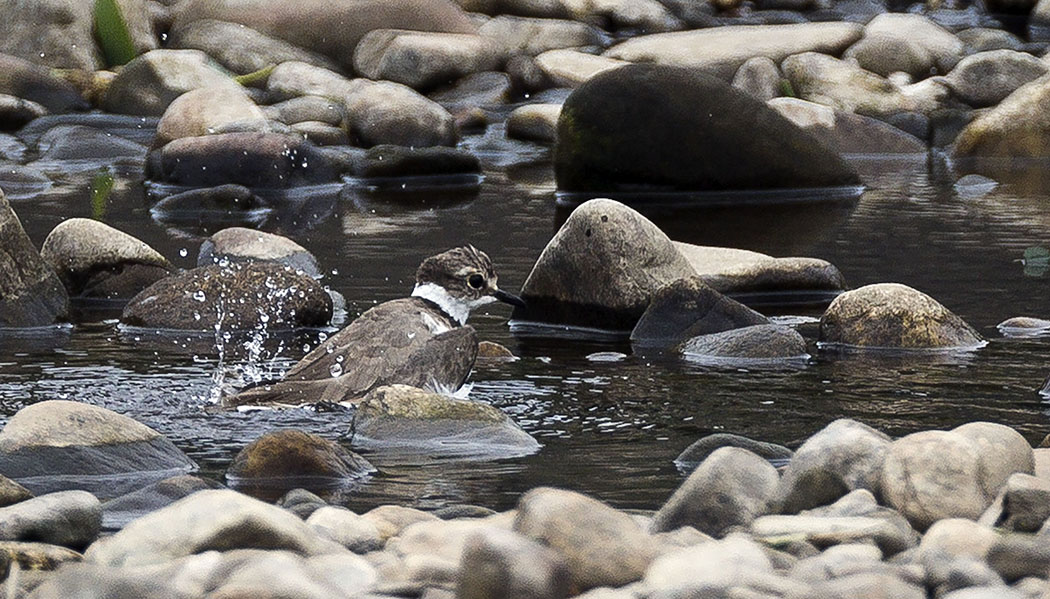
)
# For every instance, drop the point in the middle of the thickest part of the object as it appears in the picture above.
(199, 295)
(335, 370)
(184, 252)
(196, 315)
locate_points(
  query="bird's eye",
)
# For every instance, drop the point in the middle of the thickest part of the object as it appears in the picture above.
(476, 281)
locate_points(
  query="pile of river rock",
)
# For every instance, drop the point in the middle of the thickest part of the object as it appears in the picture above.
(959, 514)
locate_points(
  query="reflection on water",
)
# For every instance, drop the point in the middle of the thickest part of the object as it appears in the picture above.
(610, 421)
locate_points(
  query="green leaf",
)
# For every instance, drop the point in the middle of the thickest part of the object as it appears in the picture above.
(786, 90)
(101, 186)
(254, 77)
(112, 32)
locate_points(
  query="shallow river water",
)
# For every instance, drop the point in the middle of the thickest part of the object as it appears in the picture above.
(610, 428)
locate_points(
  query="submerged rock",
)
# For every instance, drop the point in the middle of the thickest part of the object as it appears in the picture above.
(238, 244)
(65, 444)
(96, 261)
(761, 342)
(258, 160)
(1023, 325)
(233, 200)
(672, 129)
(287, 455)
(688, 308)
(152, 81)
(400, 161)
(408, 417)
(699, 450)
(204, 521)
(601, 269)
(236, 297)
(79, 142)
(894, 316)
(31, 295)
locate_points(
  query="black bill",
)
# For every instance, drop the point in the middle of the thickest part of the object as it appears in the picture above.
(509, 298)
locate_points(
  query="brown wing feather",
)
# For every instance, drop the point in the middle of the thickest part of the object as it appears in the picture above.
(390, 343)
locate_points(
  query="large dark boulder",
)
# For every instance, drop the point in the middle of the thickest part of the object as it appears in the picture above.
(31, 294)
(675, 129)
(234, 297)
(256, 160)
(284, 456)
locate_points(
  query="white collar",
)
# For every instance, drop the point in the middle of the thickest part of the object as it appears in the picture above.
(458, 309)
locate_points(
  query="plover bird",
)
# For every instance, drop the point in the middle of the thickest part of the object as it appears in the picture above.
(422, 340)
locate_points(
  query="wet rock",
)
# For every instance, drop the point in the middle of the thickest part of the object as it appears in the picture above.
(722, 50)
(120, 510)
(534, 36)
(404, 416)
(239, 48)
(238, 244)
(16, 112)
(424, 60)
(843, 456)
(78, 142)
(845, 132)
(932, 475)
(944, 48)
(88, 446)
(730, 488)
(845, 86)
(756, 342)
(152, 81)
(1021, 325)
(235, 297)
(601, 269)
(31, 295)
(627, 129)
(688, 308)
(1015, 556)
(400, 161)
(984, 39)
(34, 83)
(94, 260)
(570, 68)
(206, 110)
(758, 77)
(958, 537)
(291, 454)
(1018, 127)
(59, 33)
(67, 518)
(1023, 504)
(602, 546)
(307, 108)
(891, 535)
(1002, 450)
(987, 78)
(498, 563)
(208, 520)
(890, 315)
(751, 274)
(699, 450)
(308, 24)
(232, 200)
(534, 122)
(258, 160)
(356, 533)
